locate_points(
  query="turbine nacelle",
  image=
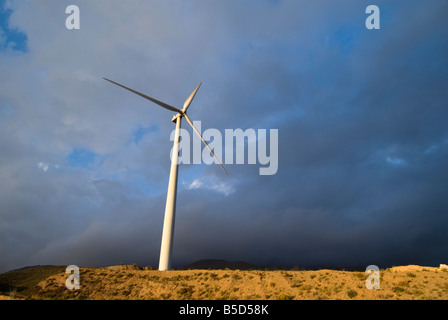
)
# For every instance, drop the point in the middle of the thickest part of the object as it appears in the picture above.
(176, 116)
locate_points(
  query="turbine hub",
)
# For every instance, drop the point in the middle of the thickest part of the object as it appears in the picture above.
(177, 116)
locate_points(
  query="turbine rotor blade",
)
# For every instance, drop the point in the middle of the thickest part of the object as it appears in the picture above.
(210, 149)
(160, 103)
(190, 98)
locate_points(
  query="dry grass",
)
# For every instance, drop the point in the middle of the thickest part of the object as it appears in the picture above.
(130, 282)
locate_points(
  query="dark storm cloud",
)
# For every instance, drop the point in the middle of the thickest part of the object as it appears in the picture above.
(361, 119)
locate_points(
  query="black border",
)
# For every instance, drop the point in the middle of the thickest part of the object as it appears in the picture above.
(169, 309)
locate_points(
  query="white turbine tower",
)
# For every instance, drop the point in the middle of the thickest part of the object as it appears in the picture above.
(170, 209)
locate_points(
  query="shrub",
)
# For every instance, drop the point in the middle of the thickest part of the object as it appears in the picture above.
(305, 287)
(360, 275)
(236, 277)
(352, 293)
(214, 276)
(186, 291)
(398, 289)
(404, 283)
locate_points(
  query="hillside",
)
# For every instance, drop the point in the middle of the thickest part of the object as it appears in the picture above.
(133, 282)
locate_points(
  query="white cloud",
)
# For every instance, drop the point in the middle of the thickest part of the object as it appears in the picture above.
(43, 166)
(195, 184)
(211, 184)
(223, 188)
(395, 161)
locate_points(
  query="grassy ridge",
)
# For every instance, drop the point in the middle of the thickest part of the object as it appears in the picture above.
(132, 282)
(19, 282)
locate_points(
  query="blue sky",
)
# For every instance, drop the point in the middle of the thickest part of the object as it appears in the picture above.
(361, 117)
(11, 38)
(81, 157)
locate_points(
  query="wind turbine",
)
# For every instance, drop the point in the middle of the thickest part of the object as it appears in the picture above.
(166, 247)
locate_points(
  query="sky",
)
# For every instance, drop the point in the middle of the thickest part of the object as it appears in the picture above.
(361, 116)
